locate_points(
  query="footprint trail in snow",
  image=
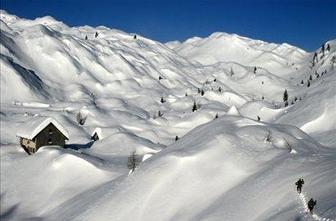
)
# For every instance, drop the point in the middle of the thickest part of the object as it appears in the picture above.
(305, 212)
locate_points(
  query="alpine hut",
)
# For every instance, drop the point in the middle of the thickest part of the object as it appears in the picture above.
(41, 131)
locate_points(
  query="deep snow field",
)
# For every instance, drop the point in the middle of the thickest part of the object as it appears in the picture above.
(232, 168)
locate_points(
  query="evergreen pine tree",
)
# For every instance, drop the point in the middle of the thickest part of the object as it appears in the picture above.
(194, 107)
(333, 61)
(285, 96)
(302, 82)
(220, 89)
(134, 37)
(328, 47)
(310, 77)
(96, 35)
(216, 116)
(202, 92)
(255, 70)
(162, 100)
(86, 38)
(315, 59)
(308, 84)
(176, 138)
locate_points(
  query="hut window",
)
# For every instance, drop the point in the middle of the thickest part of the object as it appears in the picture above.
(50, 131)
(49, 140)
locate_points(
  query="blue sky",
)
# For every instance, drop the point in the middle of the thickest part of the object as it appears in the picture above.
(304, 23)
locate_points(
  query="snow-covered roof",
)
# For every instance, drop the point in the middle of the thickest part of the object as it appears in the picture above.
(34, 126)
(98, 131)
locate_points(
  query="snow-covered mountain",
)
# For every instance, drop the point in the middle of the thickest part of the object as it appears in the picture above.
(216, 163)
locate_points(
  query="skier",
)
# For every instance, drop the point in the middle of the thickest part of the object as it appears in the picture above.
(311, 205)
(299, 185)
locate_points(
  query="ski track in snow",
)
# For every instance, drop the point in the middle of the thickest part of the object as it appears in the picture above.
(305, 211)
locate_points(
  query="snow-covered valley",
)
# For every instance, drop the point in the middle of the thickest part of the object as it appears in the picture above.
(206, 117)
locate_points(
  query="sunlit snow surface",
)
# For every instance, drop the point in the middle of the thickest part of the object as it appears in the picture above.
(233, 167)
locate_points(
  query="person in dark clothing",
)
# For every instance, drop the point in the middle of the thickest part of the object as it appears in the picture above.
(299, 185)
(311, 205)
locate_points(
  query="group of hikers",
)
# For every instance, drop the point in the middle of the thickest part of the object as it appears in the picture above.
(311, 202)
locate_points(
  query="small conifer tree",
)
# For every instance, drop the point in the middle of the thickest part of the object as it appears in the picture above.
(176, 138)
(96, 34)
(80, 118)
(194, 107)
(315, 59)
(308, 84)
(285, 96)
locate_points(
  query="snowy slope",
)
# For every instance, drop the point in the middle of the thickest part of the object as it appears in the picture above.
(223, 47)
(217, 169)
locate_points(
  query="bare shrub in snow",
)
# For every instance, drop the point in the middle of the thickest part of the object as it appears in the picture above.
(133, 161)
(288, 145)
(268, 137)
